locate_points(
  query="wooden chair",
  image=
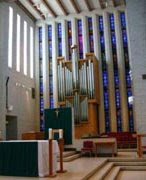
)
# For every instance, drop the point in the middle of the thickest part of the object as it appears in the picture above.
(88, 147)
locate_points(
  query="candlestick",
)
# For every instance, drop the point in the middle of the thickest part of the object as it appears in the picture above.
(60, 133)
(50, 133)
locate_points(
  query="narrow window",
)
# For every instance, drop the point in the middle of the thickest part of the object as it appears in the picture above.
(18, 44)
(25, 48)
(10, 39)
(31, 52)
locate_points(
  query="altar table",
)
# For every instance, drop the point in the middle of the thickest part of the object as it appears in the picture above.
(26, 158)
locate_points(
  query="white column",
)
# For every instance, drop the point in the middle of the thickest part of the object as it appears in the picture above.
(37, 79)
(54, 63)
(74, 31)
(85, 32)
(45, 65)
(109, 60)
(97, 51)
(65, 49)
(121, 69)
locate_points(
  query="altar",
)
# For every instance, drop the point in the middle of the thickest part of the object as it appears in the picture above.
(27, 158)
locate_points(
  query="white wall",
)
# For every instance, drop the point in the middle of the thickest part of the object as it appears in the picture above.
(18, 96)
(2, 95)
(136, 15)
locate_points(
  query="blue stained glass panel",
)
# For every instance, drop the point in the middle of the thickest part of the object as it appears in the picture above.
(116, 75)
(112, 22)
(101, 27)
(51, 102)
(90, 27)
(123, 20)
(59, 39)
(40, 34)
(50, 58)
(69, 38)
(80, 38)
(127, 70)
(41, 81)
(104, 75)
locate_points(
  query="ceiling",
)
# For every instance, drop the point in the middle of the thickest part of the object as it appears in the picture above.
(42, 9)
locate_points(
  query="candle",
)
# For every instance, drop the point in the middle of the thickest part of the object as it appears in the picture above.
(60, 133)
(50, 133)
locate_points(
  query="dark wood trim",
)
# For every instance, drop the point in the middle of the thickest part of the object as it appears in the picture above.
(88, 5)
(36, 9)
(113, 3)
(76, 8)
(102, 4)
(51, 11)
(25, 10)
(62, 7)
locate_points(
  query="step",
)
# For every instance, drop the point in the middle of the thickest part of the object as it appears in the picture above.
(91, 173)
(102, 172)
(112, 175)
(133, 168)
(130, 163)
(68, 153)
(127, 159)
(71, 158)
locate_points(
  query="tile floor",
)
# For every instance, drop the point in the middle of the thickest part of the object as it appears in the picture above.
(132, 175)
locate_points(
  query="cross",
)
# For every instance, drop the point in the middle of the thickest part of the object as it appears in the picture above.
(57, 112)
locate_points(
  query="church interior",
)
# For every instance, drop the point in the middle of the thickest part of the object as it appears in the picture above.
(72, 89)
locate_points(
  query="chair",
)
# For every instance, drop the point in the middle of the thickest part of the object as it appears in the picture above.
(88, 147)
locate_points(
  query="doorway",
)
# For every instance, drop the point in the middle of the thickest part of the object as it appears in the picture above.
(11, 127)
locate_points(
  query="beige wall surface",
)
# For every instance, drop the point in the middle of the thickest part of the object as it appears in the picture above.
(19, 85)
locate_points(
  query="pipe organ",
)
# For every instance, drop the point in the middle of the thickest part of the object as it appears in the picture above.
(78, 87)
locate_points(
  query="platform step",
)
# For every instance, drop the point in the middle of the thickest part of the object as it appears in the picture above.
(101, 173)
(126, 160)
(68, 153)
(91, 173)
(130, 163)
(71, 158)
(133, 168)
(113, 173)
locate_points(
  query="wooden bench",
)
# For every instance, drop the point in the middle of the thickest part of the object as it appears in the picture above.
(33, 136)
(124, 139)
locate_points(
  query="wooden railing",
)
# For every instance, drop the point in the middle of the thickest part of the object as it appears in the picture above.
(139, 144)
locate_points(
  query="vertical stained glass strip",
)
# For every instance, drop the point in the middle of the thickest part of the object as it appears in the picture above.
(69, 39)
(91, 41)
(51, 102)
(59, 27)
(41, 81)
(127, 71)
(80, 38)
(104, 75)
(115, 70)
